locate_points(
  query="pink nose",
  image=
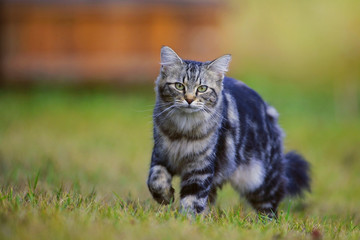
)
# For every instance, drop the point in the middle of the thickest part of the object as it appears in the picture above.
(189, 100)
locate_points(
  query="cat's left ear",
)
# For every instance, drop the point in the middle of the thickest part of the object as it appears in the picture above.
(220, 65)
(169, 57)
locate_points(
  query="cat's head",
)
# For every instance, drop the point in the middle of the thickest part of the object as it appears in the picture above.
(190, 86)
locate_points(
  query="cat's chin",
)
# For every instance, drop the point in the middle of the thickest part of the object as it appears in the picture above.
(190, 110)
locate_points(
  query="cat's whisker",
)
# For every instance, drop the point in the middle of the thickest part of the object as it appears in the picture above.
(209, 111)
(166, 109)
(152, 109)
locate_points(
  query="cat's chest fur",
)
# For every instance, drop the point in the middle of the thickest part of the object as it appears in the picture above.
(184, 137)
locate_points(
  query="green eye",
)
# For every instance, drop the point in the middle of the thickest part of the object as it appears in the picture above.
(179, 86)
(202, 88)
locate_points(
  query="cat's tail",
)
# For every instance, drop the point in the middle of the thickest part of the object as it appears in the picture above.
(297, 171)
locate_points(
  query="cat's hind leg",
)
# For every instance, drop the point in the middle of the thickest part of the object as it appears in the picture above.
(263, 190)
(265, 200)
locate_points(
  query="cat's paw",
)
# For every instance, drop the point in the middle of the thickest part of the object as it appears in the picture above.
(162, 194)
(159, 184)
(193, 205)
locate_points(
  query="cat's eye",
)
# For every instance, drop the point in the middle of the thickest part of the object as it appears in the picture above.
(202, 88)
(179, 86)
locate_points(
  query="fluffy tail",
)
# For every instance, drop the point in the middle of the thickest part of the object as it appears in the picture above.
(297, 173)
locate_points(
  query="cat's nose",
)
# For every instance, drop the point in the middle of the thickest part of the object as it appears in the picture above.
(189, 100)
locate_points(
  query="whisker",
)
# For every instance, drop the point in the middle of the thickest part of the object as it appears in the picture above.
(165, 110)
(208, 110)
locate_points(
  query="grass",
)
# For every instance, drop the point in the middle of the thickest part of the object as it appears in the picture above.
(73, 165)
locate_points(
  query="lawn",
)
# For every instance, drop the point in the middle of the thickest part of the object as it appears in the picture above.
(73, 165)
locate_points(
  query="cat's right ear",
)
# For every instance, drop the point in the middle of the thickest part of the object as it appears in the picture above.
(221, 64)
(169, 58)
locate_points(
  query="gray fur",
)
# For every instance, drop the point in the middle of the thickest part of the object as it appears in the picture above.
(209, 130)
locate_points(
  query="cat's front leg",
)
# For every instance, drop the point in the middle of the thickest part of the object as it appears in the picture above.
(159, 184)
(195, 189)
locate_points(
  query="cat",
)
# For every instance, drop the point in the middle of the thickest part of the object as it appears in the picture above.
(211, 129)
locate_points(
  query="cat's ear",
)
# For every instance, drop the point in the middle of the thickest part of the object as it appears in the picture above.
(169, 57)
(220, 65)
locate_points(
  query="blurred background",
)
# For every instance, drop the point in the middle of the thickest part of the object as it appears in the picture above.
(117, 42)
(76, 86)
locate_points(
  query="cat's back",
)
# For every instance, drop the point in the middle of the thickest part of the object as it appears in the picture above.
(257, 119)
(248, 101)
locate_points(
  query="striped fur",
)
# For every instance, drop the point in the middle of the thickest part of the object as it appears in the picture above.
(210, 129)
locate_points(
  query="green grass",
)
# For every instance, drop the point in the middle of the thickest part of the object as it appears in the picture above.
(73, 165)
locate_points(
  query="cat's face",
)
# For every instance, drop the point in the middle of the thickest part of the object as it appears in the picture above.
(190, 86)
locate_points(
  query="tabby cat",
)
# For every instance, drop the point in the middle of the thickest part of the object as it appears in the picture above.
(210, 129)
